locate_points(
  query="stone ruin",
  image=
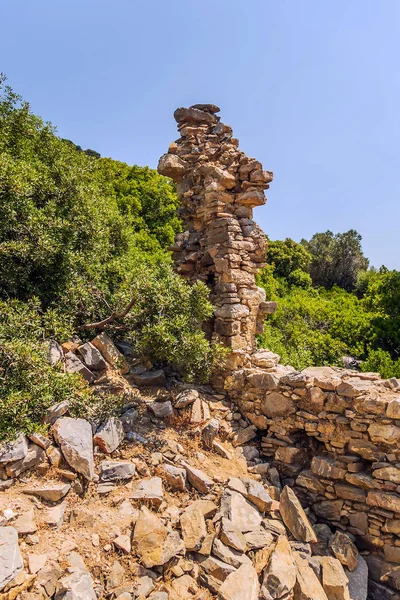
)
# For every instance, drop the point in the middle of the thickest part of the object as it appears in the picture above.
(221, 245)
(333, 434)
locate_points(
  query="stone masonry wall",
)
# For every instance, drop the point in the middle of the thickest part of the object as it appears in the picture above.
(221, 245)
(332, 433)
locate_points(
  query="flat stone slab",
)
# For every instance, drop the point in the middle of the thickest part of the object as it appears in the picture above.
(52, 493)
(11, 562)
(74, 436)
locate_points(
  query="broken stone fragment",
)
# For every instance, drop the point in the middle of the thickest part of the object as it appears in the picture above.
(172, 166)
(294, 517)
(54, 516)
(92, 357)
(109, 435)
(244, 435)
(344, 550)
(242, 584)
(50, 492)
(111, 470)
(74, 436)
(198, 479)
(10, 556)
(56, 411)
(34, 456)
(76, 586)
(55, 353)
(193, 528)
(308, 586)
(238, 510)
(258, 538)
(155, 543)
(232, 536)
(74, 365)
(15, 450)
(25, 523)
(280, 574)
(195, 116)
(123, 543)
(185, 398)
(210, 432)
(161, 410)
(110, 352)
(149, 491)
(334, 580)
(175, 477)
(150, 378)
(229, 555)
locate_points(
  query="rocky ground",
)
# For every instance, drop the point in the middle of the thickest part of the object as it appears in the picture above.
(168, 500)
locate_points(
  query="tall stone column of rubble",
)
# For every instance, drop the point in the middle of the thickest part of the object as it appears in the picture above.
(218, 186)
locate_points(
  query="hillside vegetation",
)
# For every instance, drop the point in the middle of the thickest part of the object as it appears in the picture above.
(85, 238)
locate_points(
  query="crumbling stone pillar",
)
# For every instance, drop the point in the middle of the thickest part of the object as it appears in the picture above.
(221, 245)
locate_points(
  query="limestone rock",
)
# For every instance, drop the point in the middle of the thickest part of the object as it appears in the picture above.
(74, 436)
(92, 357)
(25, 523)
(74, 365)
(175, 477)
(150, 378)
(109, 435)
(334, 580)
(149, 491)
(185, 398)
(308, 586)
(344, 550)
(193, 528)
(198, 479)
(238, 510)
(15, 450)
(36, 562)
(161, 410)
(50, 492)
(54, 516)
(277, 405)
(111, 470)
(76, 586)
(258, 538)
(232, 536)
(358, 580)
(56, 411)
(294, 517)
(240, 585)
(110, 352)
(172, 166)
(155, 543)
(280, 575)
(34, 456)
(229, 555)
(209, 433)
(10, 556)
(123, 542)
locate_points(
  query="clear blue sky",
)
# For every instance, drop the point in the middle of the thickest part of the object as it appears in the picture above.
(311, 88)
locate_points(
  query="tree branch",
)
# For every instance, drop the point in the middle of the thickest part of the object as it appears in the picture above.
(113, 317)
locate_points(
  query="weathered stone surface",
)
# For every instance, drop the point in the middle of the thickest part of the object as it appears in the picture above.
(15, 450)
(149, 379)
(111, 470)
(54, 516)
(209, 433)
(307, 585)
(229, 555)
(384, 500)
(185, 398)
(344, 550)
(76, 586)
(365, 449)
(56, 411)
(232, 536)
(161, 410)
(238, 510)
(388, 474)
(294, 517)
(74, 436)
(10, 556)
(329, 509)
(74, 365)
(242, 584)
(325, 467)
(109, 435)
(92, 357)
(123, 543)
(387, 434)
(149, 491)
(277, 405)
(54, 352)
(244, 435)
(198, 479)
(25, 523)
(334, 580)
(50, 492)
(110, 352)
(175, 477)
(155, 543)
(172, 166)
(258, 538)
(34, 456)
(128, 419)
(358, 580)
(193, 528)
(310, 481)
(280, 574)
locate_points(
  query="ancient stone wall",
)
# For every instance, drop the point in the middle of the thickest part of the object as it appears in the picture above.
(332, 433)
(221, 245)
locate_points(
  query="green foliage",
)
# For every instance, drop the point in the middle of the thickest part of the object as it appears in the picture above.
(287, 257)
(79, 237)
(336, 259)
(28, 383)
(381, 362)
